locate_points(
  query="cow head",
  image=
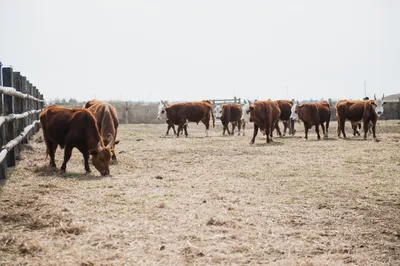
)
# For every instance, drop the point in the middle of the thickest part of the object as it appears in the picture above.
(379, 105)
(245, 108)
(294, 114)
(162, 114)
(218, 110)
(101, 157)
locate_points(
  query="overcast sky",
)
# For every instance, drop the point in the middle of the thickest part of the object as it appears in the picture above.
(194, 50)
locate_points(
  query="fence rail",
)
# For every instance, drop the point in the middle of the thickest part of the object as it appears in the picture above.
(20, 106)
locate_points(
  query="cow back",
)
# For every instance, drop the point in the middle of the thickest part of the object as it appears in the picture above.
(285, 106)
(231, 113)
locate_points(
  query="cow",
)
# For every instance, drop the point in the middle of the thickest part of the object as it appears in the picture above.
(265, 115)
(232, 113)
(313, 114)
(286, 109)
(107, 121)
(182, 113)
(218, 111)
(368, 111)
(75, 128)
(162, 115)
(355, 125)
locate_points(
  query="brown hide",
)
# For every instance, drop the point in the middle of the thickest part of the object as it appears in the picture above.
(314, 114)
(265, 115)
(231, 113)
(355, 111)
(181, 113)
(286, 110)
(74, 128)
(107, 120)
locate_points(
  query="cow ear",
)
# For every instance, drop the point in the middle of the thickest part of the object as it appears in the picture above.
(116, 142)
(301, 105)
(251, 108)
(94, 152)
(384, 103)
(373, 103)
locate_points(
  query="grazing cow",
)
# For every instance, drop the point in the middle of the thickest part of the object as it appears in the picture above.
(286, 109)
(182, 113)
(161, 114)
(314, 114)
(231, 112)
(367, 110)
(265, 115)
(75, 128)
(107, 121)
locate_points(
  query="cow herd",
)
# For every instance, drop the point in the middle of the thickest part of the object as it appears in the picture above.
(92, 129)
(266, 115)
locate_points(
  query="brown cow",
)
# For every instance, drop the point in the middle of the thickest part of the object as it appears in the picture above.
(75, 128)
(368, 111)
(107, 121)
(314, 114)
(182, 113)
(265, 115)
(162, 115)
(286, 109)
(231, 112)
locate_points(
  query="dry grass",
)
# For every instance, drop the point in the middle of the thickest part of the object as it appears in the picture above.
(213, 200)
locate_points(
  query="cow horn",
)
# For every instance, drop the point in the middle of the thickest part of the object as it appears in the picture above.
(111, 141)
(99, 146)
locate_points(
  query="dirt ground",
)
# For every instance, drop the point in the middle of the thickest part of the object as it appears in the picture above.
(215, 200)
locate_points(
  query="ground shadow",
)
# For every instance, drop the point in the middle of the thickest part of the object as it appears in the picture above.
(274, 143)
(47, 170)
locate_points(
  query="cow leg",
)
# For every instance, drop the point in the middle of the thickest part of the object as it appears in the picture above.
(327, 127)
(51, 149)
(243, 128)
(323, 128)
(254, 134)
(223, 129)
(342, 125)
(185, 129)
(233, 128)
(227, 128)
(206, 122)
(317, 131)
(277, 129)
(239, 126)
(67, 156)
(373, 129)
(85, 154)
(285, 127)
(306, 130)
(180, 128)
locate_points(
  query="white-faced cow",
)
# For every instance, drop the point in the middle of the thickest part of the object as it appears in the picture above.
(368, 111)
(182, 113)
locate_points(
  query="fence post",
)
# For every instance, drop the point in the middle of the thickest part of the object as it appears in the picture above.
(9, 109)
(234, 99)
(3, 164)
(18, 110)
(126, 113)
(30, 107)
(398, 110)
(24, 106)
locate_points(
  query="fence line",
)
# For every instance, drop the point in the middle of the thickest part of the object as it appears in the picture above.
(20, 106)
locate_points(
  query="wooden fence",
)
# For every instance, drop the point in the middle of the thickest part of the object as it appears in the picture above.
(20, 106)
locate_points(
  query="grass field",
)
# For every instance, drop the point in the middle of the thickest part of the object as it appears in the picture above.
(215, 200)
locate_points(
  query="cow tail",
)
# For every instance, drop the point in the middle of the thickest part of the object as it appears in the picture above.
(212, 115)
